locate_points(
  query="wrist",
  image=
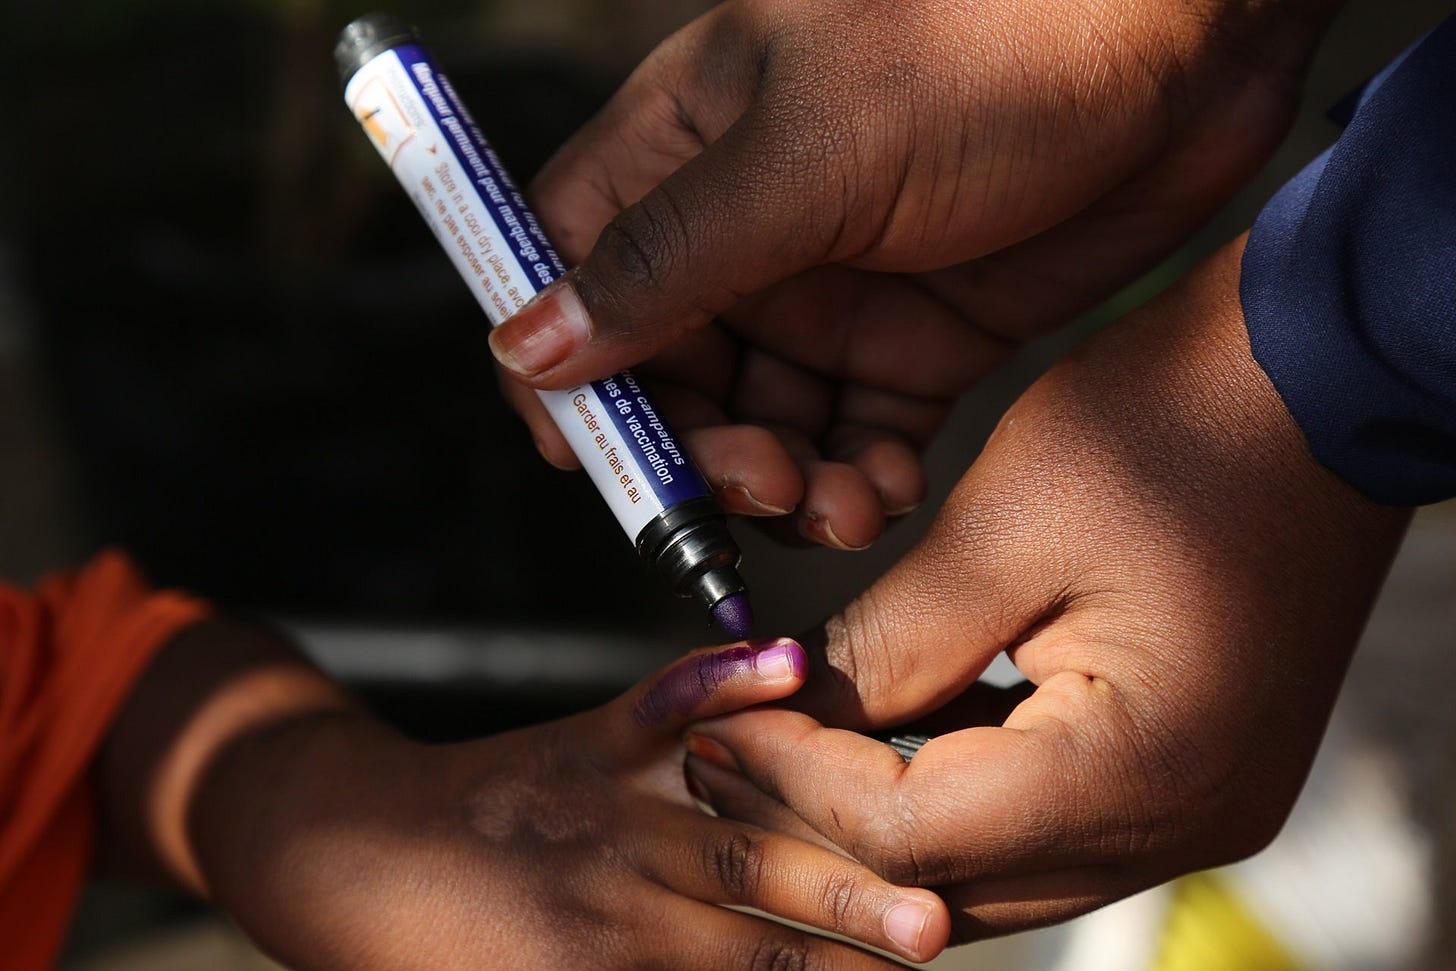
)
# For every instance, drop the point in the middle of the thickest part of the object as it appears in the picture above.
(217, 684)
(1193, 379)
(271, 788)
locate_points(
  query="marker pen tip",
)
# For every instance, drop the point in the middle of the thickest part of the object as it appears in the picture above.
(734, 615)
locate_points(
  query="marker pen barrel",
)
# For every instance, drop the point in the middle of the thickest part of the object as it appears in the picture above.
(415, 119)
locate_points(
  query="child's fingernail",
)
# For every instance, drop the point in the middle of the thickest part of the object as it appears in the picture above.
(544, 333)
(905, 923)
(783, 661)
(711, 751)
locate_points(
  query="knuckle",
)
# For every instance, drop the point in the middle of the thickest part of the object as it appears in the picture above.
(636, 252)
(712, 673)
(839, 901)
(638, 247)
(780, 956)
(737, 863)
(646, 255)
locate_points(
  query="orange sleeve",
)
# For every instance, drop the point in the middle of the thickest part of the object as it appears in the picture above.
(70, 653)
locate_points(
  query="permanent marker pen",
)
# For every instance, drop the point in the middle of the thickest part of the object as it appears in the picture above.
(415, 119)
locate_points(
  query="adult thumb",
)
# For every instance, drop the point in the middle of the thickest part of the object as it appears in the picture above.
(739, 217)
(923, 633)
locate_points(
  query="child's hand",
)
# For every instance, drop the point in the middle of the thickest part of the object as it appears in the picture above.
(337, 844)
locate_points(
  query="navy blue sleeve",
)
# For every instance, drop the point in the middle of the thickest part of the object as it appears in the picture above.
(1349, 285)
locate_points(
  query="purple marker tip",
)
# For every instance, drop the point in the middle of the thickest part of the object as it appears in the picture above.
(734, 615)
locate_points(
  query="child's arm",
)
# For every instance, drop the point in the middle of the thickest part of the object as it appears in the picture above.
(245, 774)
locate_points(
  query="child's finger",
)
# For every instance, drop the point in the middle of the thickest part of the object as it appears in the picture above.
(731, 796)
(724, 940)
(729, 863)
(713, 681)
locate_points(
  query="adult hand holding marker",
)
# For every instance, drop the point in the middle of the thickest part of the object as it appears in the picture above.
(412, 114)
(822, 220)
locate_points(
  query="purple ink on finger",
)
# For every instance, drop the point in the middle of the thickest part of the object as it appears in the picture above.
(690, 684)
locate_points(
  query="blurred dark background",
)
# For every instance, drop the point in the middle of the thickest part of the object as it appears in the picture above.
(228, 344)
(264, 379)
(272, 386)
(252, 367)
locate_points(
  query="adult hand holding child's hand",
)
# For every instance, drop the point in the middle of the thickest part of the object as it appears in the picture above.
(1148, 536)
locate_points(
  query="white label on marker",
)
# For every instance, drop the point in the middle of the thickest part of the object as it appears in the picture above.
(419, 127)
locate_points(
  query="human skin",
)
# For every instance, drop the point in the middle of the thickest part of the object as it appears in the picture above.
(819, 221)
(243, 774)
(1148, 537)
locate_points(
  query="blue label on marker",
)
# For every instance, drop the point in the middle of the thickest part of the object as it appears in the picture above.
(508, 209)
(670, 473)
(665, 467)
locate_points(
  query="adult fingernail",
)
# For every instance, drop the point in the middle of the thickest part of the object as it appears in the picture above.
(743, 501)
(783, 661)
(711, 751)
(840, 544)
(545, 332)
(905, 923)
(815, 527)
